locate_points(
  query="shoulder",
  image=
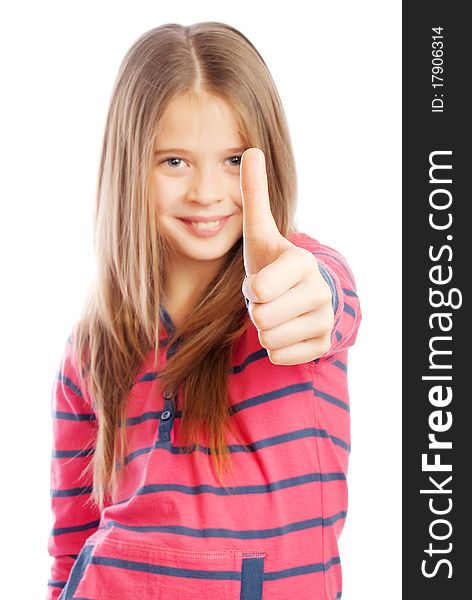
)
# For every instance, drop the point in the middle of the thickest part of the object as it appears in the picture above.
(299, 238)
(304, 240)
(71, 372)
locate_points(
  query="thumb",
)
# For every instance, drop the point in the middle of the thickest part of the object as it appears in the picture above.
(258, 221)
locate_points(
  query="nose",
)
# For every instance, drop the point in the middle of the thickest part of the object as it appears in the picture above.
(205, 188)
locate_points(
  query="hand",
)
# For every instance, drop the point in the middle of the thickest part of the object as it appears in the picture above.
(290, 301)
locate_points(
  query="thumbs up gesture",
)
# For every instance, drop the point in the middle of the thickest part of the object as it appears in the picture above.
(289, 300)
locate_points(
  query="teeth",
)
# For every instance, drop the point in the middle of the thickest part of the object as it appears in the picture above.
(205, 224)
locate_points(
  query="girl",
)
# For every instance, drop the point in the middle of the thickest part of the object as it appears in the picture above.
(200, 412)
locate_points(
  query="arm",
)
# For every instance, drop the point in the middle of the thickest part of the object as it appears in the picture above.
(73, 433)
(346, 306)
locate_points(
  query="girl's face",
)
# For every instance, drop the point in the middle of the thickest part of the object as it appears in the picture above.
(196, 178)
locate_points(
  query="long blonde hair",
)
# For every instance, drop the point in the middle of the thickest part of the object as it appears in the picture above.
(119, 323)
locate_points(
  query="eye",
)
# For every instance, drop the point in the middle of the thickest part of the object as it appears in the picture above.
(168, 161)
(235, 164)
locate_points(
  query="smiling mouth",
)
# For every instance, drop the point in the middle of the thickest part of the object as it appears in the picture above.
(202, 225)
(205, 228)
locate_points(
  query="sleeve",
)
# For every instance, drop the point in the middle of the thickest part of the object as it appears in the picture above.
(74, 429)
(346, 307)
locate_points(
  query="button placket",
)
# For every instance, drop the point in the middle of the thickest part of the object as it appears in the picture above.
(167, 417)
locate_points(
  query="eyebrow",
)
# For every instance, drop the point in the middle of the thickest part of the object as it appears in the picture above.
(183, 151)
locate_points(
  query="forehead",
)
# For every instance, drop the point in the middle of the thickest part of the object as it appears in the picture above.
(203, 122)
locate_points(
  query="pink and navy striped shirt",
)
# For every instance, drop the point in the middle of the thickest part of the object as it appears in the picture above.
(172, 532)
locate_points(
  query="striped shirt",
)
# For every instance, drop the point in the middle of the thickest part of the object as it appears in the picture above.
(172, 531)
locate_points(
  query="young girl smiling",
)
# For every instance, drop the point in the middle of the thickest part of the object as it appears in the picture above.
(201, 412)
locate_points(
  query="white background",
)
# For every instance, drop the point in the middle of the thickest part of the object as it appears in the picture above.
(337, 66)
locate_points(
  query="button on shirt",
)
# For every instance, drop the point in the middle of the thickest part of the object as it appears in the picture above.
(172, 531)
